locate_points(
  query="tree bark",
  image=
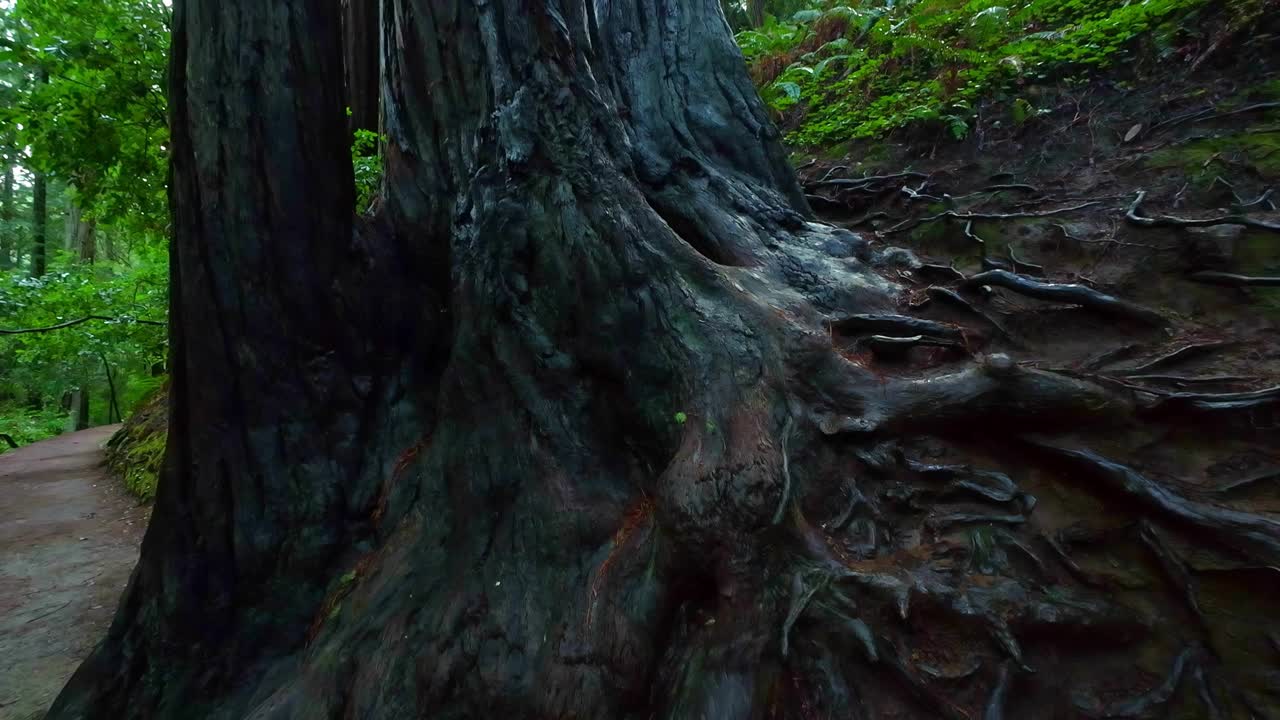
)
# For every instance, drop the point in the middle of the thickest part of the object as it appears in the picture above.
(360, 60)
(39, 224)
(39, 213)
(81, 240)
(566, 431)
(7, 245)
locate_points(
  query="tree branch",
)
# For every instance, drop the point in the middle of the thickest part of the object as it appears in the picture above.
(80, 321)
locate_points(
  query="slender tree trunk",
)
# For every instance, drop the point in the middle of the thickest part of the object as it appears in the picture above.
(755, 9)
(7, 245)
(360, 60)
(81, 240)
(39, 214)
(81, 234)
(39, 224)
(562, 433)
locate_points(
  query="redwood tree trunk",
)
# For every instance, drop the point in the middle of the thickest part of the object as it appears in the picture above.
(360, 60)
(561, 432)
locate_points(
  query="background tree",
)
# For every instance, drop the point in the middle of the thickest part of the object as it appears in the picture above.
(564, 430)
(88, 145)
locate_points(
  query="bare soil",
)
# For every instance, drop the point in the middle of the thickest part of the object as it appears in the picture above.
(69, 539)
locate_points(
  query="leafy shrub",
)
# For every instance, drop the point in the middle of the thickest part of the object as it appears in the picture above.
(26, 425)
(366, 161)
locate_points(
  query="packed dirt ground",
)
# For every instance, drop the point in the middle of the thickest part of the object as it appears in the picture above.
(69, 538)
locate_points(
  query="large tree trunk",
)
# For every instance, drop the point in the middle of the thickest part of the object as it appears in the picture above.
(360, 60)
(563, 432)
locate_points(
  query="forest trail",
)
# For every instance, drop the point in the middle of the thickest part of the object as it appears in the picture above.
(69, 538)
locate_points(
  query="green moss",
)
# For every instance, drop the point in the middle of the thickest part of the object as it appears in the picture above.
(1258, 149)
(934, 63)
(143, 460)
(136, 452)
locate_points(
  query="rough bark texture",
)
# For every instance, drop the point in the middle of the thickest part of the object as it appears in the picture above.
(360, 60)
(573, 429)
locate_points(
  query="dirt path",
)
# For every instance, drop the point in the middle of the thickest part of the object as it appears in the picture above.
(69, 538)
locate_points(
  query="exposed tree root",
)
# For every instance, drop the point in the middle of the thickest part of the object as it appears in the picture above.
(907, 225)
(1249, 482)
(997, 391)
(1212, 402)
(1256, 536)
(999, 694)
(863, 183)
(8, 439)
(895, 326)
(1143, 704)
(994, 486)
(1225, 279)
(1080, 295)
(956, 300)
(1174, 568)
(1183, 353)
(1135, 217)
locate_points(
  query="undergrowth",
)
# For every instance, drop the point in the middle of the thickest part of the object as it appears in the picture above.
(26, 425)
(840, 72)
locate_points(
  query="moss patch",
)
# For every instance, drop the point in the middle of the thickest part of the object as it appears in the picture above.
(135, 453)
(1202, 159)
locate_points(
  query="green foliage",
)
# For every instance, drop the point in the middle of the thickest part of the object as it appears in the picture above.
(82, 103)
(867, 69)
(27, 425)
(47, 364)
(89, 105)
(366, 161)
